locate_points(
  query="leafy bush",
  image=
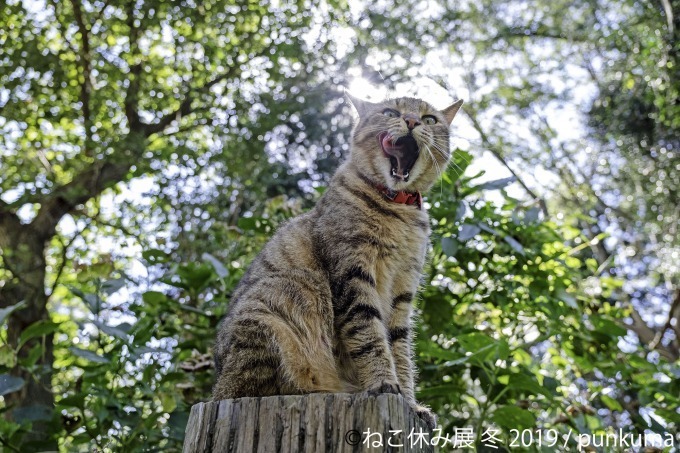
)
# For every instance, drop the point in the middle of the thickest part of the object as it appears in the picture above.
(511, 334)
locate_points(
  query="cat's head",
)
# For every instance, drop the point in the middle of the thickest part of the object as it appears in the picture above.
(402, 143)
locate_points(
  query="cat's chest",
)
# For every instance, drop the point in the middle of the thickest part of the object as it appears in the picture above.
(399, 266)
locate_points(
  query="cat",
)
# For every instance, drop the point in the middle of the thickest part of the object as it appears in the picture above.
(327, 304)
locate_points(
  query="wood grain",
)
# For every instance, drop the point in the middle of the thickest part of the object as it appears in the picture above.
(310, 423)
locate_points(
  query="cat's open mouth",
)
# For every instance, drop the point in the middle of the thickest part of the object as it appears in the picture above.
(402, 152)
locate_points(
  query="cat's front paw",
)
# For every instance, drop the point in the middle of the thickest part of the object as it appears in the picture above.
(384, 387)
(426, 415)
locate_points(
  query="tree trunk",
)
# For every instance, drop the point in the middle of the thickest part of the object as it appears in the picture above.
(23, 255)
(307, 424)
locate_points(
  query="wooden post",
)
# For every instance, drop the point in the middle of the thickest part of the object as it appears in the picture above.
(322, 422)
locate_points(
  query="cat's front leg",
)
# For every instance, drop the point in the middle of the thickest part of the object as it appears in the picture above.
(362, 332)
(400, 339)
(401, 342)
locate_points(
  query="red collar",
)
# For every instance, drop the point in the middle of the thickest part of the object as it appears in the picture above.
(396, 196)
(401, 196)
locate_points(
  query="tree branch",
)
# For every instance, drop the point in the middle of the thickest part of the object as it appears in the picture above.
(647, 335)
(9, 224)
(86, 83)
(185, 107)
(487, 143)
(64, 252)
(106, 173)
(132, 92)
(668, 11)
(541, 33)
(576, 168)
(673, 313)
(98, 14)
(89, 183)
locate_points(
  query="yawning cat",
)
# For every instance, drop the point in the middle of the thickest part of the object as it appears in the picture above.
(326, 306)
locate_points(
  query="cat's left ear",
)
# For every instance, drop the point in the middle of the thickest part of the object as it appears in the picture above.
(450, 111)
(360, 105)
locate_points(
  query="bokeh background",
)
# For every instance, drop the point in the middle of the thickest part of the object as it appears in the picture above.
(148, 149)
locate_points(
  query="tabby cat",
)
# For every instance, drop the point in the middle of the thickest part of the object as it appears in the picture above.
(326, 306)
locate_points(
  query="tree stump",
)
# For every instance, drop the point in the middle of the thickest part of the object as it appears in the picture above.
(323, 422)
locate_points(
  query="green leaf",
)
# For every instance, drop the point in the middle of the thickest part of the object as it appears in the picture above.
(488, 229)
(117, 332)
(155, 256)
(449, 246)
(514, 244)
(550, 384)
(178, 423)
(32, 413)
(523, 357)
(607, 326)
(528, 384)
(496, 184)
(88, 355)
(257, 224)
(611, 403)
(8, 356)
(468, 231)
(91, 300)
(513, 417)
(461, 209)
(461, 160)
(567, 299)
(37, 329)
(9, 384)
(503, 349)
(475, 341)
(195, 276)
(32, 357)
(440, 390)
(168, 402)
(111, 286)
(5, 312)
(77, 292)
(481, 347)
(531, 216)
(220, 269)
(153, 297)
(75, 400)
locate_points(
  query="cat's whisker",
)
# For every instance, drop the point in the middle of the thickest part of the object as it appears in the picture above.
(441, 151)
(438, 170)
(452, 161)
(462, 155)
(445, 155)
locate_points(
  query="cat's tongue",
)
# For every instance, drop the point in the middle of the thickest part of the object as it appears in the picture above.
(390, 147)
(402, 152)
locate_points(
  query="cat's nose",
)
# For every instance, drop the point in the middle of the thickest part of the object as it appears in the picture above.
(411, 120)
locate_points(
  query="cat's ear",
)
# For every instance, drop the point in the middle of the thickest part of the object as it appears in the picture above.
(360, 105)
(450, 111)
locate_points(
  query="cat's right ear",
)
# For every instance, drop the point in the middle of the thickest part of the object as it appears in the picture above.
(360, 105)
(450, 111)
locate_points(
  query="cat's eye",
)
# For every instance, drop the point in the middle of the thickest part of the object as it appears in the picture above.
(391, 113)
(429, 119)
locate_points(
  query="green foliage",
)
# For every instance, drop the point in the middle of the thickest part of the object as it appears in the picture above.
(507, 335)
(127, 374)
(510, 337)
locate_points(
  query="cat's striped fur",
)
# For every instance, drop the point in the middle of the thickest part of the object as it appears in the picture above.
(326, 306)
